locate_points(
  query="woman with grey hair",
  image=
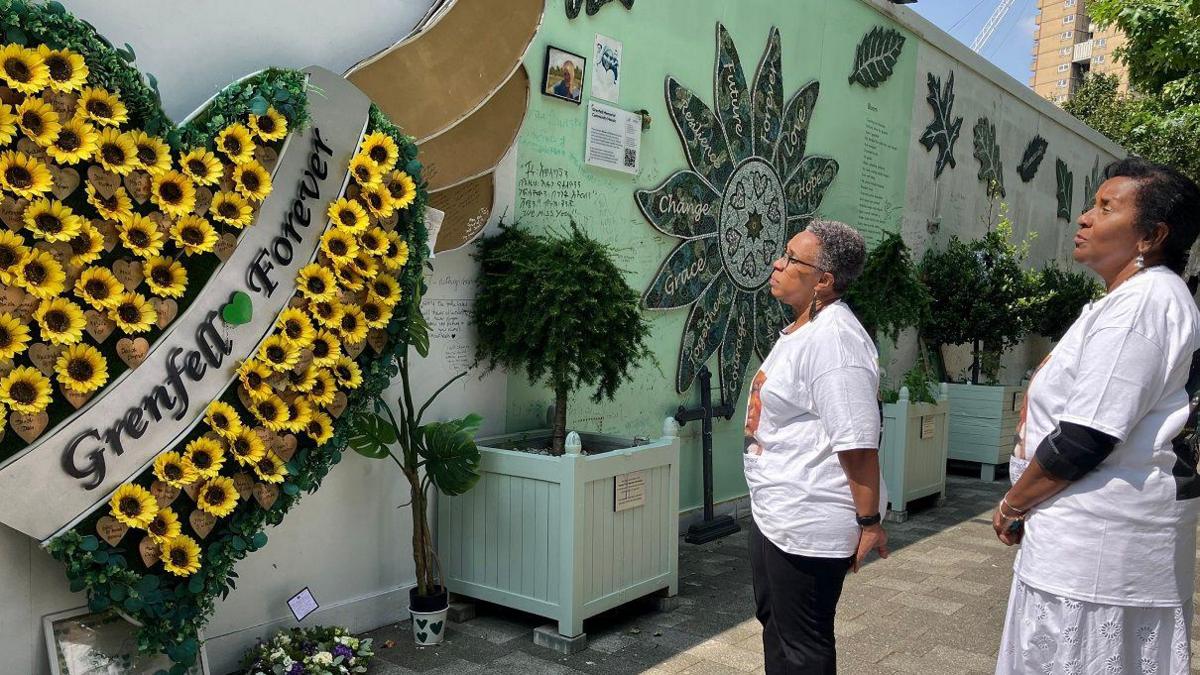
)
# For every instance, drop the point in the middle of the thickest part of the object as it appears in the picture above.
(811, 452)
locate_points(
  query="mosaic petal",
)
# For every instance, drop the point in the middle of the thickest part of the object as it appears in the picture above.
(807, 187)
(737, 347)
(684, 275)
(770, 316)
(683, 206)
(732, 97)
(704, 331)
(700, 131)
(790, 150)
(768, 95)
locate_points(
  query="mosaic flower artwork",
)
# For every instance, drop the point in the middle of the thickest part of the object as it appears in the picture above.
(750, 188)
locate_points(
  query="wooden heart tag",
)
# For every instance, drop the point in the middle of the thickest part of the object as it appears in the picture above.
(75, 398)
(266, 156)
(225, 246)
(149, 550)
(164, 494)
(245, 398)
(105, 182)
(377, 338)
(288, 448)
(137, 184)
(111, 530)
(204, 198)
(133, 352)
(61, 251)
(338, 405)
(65, 180)
(353, 349)
(30, 148)
(98, 325)
(163, 222)
(10, 299)
(192, 490)
(12, 212)
(202, 522)
(266, 495)
(244, 484)
(167, 309)
(28, 426)
(108, 230)
(128, 272)
(27, 307)
(63, 102)
(11, 96)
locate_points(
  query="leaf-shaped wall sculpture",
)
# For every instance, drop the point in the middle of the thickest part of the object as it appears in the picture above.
(987, 151)
(1066, 184)
(876, 56)
(593, 6)
(1032, 159)
(943, 130)
(1091, 184)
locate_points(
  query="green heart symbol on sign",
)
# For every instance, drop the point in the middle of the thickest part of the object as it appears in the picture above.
(239, 310)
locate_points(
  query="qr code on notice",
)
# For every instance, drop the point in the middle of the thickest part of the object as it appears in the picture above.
(630, 157)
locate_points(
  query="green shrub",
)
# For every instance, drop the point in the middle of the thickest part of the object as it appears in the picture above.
(889, 296)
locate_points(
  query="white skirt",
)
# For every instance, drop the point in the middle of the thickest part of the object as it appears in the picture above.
(1046, 633)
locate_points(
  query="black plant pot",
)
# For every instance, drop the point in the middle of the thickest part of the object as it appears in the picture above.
(439, 600)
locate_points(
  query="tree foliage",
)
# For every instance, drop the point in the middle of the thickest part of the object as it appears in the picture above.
(888, 296)
(1162, 50)
(1063, 294)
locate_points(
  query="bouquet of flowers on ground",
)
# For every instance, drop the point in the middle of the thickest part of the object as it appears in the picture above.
(309, 651)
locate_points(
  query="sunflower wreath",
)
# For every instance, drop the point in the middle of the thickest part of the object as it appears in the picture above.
(115, 221)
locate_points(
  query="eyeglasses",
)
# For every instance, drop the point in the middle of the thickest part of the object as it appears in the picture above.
(788, 257)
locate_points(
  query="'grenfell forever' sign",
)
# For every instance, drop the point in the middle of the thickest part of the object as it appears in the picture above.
(106, 443)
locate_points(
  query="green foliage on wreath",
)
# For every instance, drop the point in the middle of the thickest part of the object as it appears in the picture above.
(888, 296)
(1063, 294)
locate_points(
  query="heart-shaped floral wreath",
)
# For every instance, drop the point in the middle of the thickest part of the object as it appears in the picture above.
(115, 219)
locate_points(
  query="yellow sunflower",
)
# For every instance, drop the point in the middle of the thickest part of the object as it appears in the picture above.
(231, 208)
(339, 244)
(278, 353)
(269, 468)
(376, 313)
(174, 193)
(8, 124)
(133, 313)
(218, 496)
(164, 527)
(103, 108)
(52, 220)
(86, 245)
(25, 390)
(174, 470)
(37, 119)
(202, 166)
(23, 70)
(81, 368)
(386, 289)
(348, 276)
(316, 282)
(326, 348)
(299, 412)
(206, 456)
(14, 336)
(23, 175)
(117, 207)
(166, 277)
(324, 389)
(302, 381)
(295, 327)
(271, 412)
(133, 505)
(365, 172)
(223, 419)
(403, 189)
(319, 428)
(378, 201)
(366, 266)
(247, 447)
(12, 251)
(141, 236)
(271, 126)
(40, 274)
(60, 320)
(328, 313)
(151, 153)
(397, 253)
(193, 234)
(181, 556)
(347, 373)
(348, 214)
(115, 152)
(374, 241)
(76, 142)
(234, 140)
(381, 149)
(252, 180)
(67, 70)
(98, 287)
(253, 376)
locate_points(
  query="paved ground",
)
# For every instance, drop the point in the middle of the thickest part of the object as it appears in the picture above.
(935, 606)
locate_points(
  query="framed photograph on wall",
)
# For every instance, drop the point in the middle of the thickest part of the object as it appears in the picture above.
(81, 642)
(562, 76)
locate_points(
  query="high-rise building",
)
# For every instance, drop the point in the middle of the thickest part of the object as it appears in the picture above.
(1067, 46)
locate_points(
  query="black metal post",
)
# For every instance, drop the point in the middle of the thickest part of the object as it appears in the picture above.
(713, 526)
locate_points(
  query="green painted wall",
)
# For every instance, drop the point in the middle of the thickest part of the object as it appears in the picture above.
(865, 130)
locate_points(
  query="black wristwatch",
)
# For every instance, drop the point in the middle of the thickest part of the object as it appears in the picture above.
(867, 521)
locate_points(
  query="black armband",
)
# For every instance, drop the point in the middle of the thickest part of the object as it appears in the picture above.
(1073, 450)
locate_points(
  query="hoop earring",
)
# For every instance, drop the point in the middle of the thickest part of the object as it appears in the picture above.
(813, 308)
(1140, 261)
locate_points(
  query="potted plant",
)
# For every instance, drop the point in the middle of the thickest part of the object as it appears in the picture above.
(982, 296)
(568, 529)
(1063, 295)
(887, 298)
(438, 454)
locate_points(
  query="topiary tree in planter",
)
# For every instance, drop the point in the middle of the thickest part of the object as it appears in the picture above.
(888, 296)
(557, 306)
(1063, 294)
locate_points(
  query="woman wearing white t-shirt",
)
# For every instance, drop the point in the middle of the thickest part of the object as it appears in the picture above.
(811, 452)
(1106, 503)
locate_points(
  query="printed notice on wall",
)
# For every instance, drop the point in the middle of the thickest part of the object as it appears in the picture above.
(629, 490)
(614, 138)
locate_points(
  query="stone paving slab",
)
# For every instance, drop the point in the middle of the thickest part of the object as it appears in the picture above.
(936, 606)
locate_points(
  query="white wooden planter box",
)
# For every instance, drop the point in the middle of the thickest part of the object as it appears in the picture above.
(983, 421)
(541, 534)
(913, 450)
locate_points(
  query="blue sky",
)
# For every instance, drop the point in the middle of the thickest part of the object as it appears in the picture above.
(1009, 46)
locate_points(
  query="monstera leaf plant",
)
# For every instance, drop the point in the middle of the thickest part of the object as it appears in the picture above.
(116, 221)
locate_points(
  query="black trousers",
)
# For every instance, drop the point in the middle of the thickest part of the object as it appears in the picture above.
(796, 598)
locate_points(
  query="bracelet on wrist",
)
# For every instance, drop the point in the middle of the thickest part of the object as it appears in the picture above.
(1020, 513)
